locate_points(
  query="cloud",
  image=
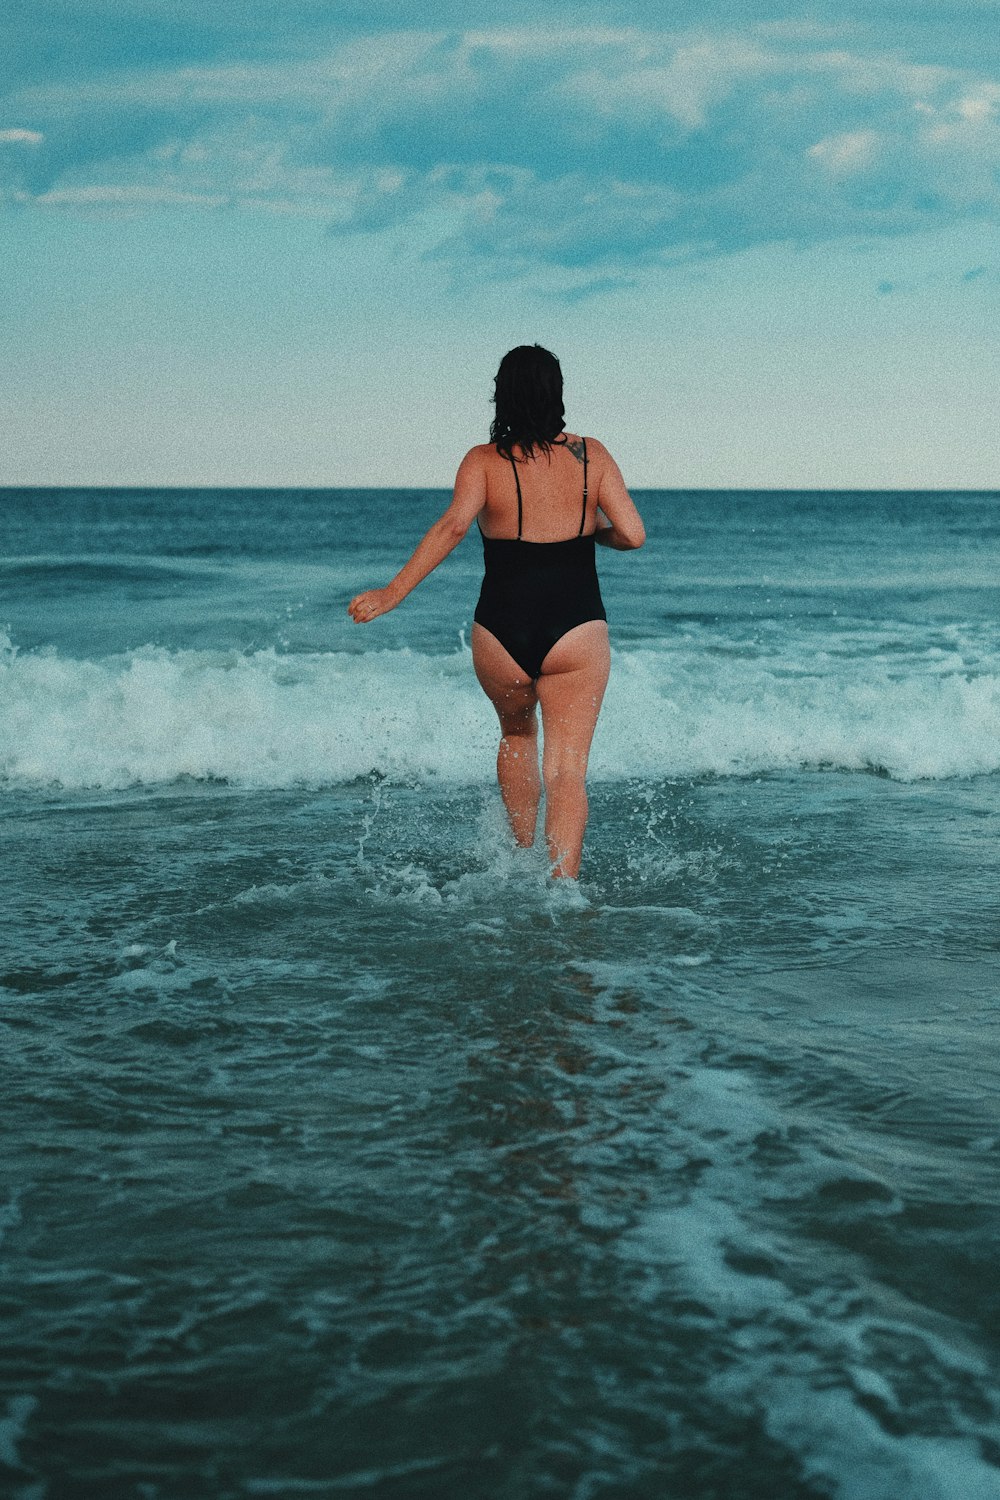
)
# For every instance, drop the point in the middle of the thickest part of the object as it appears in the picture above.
(123, 196)
(848, 152)
(513, 150)
(17, 136)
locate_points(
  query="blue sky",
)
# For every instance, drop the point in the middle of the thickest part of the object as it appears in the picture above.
(262, 243)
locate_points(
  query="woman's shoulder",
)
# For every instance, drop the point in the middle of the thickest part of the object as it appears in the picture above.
(476, 458)
(480, 453)
(584, 446)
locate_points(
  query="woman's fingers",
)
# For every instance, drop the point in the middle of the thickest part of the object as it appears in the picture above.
(367, 606)
(372, 603)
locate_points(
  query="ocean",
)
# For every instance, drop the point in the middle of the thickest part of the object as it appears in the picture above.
(346, 1154)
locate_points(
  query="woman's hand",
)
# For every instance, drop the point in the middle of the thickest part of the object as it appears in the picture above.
(371, 604)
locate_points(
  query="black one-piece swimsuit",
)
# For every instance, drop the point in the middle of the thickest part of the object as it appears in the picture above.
(534, 592)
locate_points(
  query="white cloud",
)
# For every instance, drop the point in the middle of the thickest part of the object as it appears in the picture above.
(605, 150)
(114, 195)
(979, 104)
(846, 152)
(17, 136)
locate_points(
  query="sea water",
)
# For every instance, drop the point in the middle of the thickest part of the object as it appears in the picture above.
(346, 1154)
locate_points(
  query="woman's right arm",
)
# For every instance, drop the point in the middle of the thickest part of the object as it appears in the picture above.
(467, 501)
(623, 528)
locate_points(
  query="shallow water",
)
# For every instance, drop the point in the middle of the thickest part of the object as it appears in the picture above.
(347, 1154)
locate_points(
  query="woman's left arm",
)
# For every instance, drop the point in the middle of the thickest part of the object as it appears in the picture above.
(467, 501)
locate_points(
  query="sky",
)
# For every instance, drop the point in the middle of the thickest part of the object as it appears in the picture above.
(286, 242)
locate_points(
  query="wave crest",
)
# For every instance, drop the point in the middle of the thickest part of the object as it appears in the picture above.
(265, 719)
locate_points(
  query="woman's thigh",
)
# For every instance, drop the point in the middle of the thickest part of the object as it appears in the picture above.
(571, 690)
(508, 686)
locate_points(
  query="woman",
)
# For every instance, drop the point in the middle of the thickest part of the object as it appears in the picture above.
(542, 497)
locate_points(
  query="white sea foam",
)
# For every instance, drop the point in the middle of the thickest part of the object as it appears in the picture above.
(813, 1361)
(877, 1395)
(264, 719)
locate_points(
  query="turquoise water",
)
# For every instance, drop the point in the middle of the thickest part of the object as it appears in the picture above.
(347, 1155)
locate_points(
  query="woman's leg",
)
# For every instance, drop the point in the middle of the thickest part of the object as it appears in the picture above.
(512, 693)
(570, 690)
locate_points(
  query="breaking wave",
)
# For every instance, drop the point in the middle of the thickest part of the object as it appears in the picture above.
(268, 719)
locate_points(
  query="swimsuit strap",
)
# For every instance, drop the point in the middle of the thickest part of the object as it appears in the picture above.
(583, 518)
(520, 503)
(517, 481)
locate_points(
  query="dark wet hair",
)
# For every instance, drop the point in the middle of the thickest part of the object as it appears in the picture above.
(528, 397)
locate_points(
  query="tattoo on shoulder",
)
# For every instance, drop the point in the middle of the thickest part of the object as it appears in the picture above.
(576, 448)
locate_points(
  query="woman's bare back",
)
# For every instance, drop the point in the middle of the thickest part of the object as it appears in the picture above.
(551, 488)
